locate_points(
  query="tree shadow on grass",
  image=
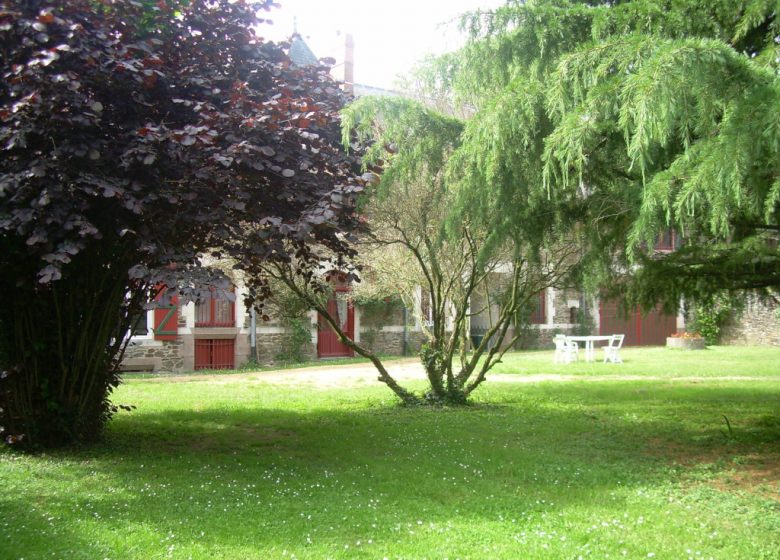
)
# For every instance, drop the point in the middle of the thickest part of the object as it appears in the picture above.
(248, 477)
(29, 527)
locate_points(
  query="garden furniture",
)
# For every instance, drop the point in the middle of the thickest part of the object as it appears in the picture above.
(565, 350)
(611, 350)
(589, 341)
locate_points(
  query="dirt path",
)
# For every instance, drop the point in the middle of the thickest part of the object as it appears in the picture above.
(363, 374)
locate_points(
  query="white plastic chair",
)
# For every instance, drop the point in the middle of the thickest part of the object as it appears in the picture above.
(566, 351)
(612, 350)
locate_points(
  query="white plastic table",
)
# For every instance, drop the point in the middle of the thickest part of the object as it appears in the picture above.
(589, 346)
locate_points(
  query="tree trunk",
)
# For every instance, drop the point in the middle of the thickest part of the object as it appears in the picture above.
(384, 376)
(60, 347)
(433, 361)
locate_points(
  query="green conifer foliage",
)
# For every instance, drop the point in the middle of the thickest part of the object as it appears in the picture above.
(631, 118)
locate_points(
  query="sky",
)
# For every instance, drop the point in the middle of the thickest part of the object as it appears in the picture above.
(389, 35)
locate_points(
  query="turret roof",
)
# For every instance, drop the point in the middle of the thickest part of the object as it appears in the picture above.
(300, 53)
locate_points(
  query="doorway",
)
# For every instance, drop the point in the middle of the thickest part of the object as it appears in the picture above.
(328, 343)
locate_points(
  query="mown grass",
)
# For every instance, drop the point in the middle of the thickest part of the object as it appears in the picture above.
(715, 361)
(239, 468)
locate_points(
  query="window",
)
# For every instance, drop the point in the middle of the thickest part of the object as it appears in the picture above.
(216, 311)
(668, 241)
(539, 308)
(139, 324)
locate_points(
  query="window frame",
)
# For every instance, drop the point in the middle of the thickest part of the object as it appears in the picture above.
(538, 315)
(212, 321)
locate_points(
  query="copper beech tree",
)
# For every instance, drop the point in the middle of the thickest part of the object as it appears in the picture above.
(137, 136)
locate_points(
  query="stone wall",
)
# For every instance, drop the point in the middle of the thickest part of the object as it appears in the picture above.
(155, 355)
(383, 342)
(563, 313)
(391, 343)
(543, 339)
(757, 325)
(379, 316)
(269, 346)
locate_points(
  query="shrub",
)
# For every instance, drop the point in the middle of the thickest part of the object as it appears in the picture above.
(710, 317)
(296, 338)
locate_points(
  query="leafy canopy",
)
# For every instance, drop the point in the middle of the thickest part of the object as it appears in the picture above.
(631, 118)
(138, 137)
(163, 127)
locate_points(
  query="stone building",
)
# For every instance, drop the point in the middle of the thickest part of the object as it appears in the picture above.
(217, 333)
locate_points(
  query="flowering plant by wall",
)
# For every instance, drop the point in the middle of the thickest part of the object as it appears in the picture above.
(687, 335)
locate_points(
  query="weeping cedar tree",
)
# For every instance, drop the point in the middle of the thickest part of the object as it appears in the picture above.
(416, 238)
(656, 115)
(135, 137)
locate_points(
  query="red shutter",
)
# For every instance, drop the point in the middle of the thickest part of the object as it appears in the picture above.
(166, 317)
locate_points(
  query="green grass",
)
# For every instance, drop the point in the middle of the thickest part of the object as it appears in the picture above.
(715, 361)
(239, 468)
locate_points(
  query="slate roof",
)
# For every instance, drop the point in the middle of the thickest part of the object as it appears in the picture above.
(361, 90)
(300, 53)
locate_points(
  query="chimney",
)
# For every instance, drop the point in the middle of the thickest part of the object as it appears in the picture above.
(349, 64)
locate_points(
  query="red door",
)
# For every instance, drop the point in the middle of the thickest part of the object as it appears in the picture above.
(216, 353)
(328, 344)
(648, 329)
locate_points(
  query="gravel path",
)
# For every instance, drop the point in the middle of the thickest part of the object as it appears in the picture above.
(363, 374)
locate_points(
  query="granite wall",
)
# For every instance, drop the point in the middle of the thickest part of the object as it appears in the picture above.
(391, 343)
(270, 345)
(758, 324)
(154, 355)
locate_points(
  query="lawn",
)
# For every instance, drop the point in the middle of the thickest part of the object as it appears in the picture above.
(238, 468)
(715, 361)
